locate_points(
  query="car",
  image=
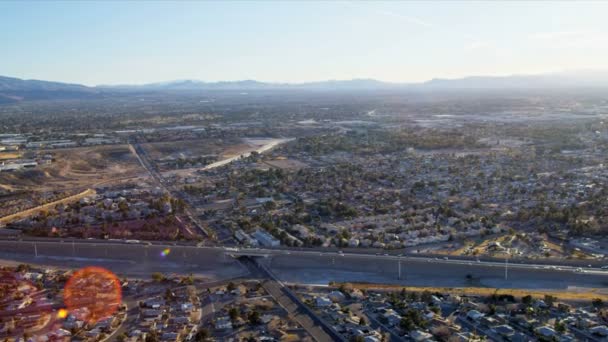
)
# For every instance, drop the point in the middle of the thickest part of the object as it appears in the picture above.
(445, 258)
(605, 267)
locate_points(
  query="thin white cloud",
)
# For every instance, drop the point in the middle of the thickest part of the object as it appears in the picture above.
(555, 35)
(580, 39)
(475, 43)
(478, 45)
(406, 18)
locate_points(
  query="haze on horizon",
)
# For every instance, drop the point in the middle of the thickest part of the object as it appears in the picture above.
(142, 42)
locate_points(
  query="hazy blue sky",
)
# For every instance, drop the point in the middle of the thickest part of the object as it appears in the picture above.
(138, 42)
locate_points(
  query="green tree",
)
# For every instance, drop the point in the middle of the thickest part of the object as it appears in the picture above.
(157, 276)
(233, 313)
(254, 318)
(550, 300)
(152, 336)
(560, 327)
(201, 335)
(230, 287)
(597, 303)
(407, 324)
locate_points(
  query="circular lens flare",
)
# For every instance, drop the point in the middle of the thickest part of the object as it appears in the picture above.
(92, 294)
(165, 252)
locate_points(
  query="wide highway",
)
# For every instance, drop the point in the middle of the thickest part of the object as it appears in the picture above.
(303, 266)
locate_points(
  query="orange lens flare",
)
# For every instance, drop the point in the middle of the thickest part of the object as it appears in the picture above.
(92, 294)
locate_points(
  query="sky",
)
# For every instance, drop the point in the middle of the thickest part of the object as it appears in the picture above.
(397, 41)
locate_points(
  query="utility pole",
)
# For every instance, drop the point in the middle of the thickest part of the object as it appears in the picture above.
(35, 249)
(507, 264)
(399, 262)
(73, 249)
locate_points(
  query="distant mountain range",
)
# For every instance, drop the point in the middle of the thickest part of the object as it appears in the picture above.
(15, 89)
(253, 85)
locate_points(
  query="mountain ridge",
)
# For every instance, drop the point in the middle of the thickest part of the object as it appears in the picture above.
(14, 89)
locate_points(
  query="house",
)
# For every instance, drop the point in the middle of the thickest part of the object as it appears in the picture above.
(474, 315)
(370, 339)
(504, 330)
(244, 238)
(94, 333)
(540, 304)
(223, 323)
(392, 317)
(181, 320)
(418, 335)
(266, 318)
(488, 321)
(169, 336)
(336, 296)
(600, 330)
(545, 333)
(266, 239)
(151, 313)
(322, 302)
(186, 307)
(154, 303)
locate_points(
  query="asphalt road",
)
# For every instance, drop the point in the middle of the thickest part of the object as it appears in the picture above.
(320, 269)
(300, 266)
(125, 259)
(320, 332)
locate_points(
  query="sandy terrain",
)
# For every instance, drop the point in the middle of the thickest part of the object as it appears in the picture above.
(77, 168)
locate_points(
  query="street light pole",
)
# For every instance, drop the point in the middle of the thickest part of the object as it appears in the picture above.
(507, 264)
(399, 262)
(35, 250)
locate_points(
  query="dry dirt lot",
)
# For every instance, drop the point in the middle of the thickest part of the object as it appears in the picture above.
(9, 155)
(77, 168)
(185, 148)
